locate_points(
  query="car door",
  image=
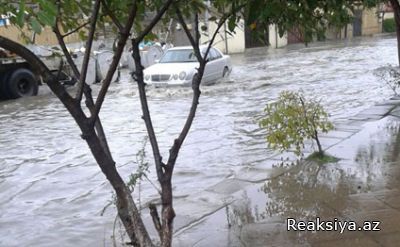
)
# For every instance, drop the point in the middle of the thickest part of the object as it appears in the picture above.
(218, 65)
(208, 70)
(212, 66)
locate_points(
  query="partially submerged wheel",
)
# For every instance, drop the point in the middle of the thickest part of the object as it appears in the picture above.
(21, 83)
(225, 73)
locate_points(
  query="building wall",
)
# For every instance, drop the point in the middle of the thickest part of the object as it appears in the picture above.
(370, 25)
(47, 36)
(335, 33)
(275, 40)
(226, 42)
(370, 22)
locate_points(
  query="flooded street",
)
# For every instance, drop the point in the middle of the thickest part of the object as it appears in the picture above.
(53, 193)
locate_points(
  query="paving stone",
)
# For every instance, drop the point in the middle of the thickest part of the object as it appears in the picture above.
(395, 112)
(391, 198)
(286, 157)
(211, 231)
(228, 186)
(258, 175)
(212, 198)
(319, 237)
(348, 128)
(377, 110)
(191, 211)
(357, 122)
(269, 234)
(389, 240)
(337, 134)
(357, 117)
(179, 221)
(208, 226)
(328, 142)
(367, 117)
(389, 220)
(392, 101)
(364, 202)
(357, 242)
(266, 165)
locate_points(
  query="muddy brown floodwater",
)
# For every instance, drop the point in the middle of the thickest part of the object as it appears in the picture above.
(53, 193)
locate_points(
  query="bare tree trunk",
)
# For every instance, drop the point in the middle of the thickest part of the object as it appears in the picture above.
(396, 9)
(127, 210)
(167, 214)
(164, 172)
(316, 138)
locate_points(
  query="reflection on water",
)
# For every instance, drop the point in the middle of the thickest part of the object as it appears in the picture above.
(306, 191)
(379, 159)
(309, 190)
(51, 190)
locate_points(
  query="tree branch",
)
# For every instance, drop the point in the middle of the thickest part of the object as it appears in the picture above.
(156, 219)
(112, 16)
(75, 30)
(174, 151)
(89, 42)
(86, 90)
(221, 22)
(67, 55)
(192, 41)
(154, 21)
(196, 28)
(146, 112)
(114, 64)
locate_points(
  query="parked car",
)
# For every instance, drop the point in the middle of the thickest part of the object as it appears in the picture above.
(178, 67)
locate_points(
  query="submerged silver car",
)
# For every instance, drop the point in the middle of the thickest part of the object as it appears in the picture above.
(179, 65)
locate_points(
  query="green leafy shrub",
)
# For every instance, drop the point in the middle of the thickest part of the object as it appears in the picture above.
(389, 25)
(291, 120)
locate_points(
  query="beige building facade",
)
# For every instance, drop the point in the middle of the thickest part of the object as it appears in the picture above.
(46, 37)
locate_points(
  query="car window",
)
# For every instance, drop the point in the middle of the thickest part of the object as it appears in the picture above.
(215, 54)
(178, 56)
(212, 54)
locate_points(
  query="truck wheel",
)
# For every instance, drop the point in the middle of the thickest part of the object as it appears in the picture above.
(22, 83)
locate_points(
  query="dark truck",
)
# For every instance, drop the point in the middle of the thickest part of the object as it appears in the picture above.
(18, 79)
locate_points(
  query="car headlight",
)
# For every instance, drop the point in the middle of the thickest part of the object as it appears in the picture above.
(147, 77)
(182, 75)
(175, 77)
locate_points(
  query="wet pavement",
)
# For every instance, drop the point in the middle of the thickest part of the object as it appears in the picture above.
(362, 186)
(51, 190)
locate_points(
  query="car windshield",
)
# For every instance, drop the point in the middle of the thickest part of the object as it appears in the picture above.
(178, 56)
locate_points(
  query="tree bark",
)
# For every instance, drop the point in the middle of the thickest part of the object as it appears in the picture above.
(316, 138)
(127, 210)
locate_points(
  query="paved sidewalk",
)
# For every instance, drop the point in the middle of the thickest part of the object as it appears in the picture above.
(252, 207)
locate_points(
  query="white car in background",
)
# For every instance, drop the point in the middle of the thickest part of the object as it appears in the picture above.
(179, 65)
